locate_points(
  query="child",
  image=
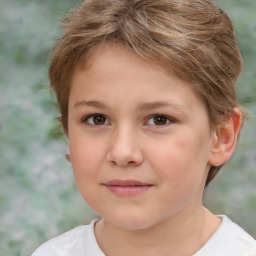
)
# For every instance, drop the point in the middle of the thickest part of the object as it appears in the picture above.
(146, 91)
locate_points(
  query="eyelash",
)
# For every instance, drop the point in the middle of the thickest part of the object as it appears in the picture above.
(86, 118)
(167, 118)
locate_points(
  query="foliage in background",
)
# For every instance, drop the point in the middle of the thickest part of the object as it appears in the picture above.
(38, 196)
(234, 190)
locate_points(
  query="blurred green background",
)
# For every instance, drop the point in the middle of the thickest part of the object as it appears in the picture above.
(38, 196)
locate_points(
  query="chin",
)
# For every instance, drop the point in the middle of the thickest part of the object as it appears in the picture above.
(130, 222)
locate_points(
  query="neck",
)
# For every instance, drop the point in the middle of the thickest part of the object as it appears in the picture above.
(181, 235)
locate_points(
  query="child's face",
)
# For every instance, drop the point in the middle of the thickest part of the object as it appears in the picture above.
(131, 121)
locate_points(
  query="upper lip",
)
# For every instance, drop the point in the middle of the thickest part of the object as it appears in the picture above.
(126, 183)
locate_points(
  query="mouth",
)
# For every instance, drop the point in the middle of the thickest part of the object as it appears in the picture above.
(127, 187)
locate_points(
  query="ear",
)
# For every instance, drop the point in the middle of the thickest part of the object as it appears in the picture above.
(225, 138)
(68, 157)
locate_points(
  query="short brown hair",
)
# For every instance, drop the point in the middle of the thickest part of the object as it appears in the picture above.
(194, 40)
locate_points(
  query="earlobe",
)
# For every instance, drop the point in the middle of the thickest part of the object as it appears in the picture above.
(68, 157)
(225, 138)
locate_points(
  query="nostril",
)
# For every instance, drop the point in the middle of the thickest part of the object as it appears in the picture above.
(124, 161)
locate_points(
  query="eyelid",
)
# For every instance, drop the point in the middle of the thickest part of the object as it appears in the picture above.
(169, 119)
(85, 118)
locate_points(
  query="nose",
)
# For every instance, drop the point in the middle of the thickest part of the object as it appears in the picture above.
(125, 149)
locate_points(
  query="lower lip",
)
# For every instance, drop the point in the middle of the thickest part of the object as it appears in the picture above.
(128, 190)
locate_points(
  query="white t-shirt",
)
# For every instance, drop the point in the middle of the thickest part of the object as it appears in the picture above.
(228, 240)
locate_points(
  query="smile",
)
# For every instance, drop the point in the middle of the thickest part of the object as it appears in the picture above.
(127, 187)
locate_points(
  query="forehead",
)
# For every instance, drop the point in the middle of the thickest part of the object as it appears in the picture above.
(102, 54)
(107, 61)
(119, 79)
(117, 64)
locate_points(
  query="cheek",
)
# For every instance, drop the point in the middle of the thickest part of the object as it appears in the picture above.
(179, 160)
(181, 175)
(85, 159)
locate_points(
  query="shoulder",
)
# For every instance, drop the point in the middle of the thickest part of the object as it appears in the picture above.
(237, 234)
(229, 240)
(69, 243)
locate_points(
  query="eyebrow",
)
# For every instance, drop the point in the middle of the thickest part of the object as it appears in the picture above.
(91, 103)
(158, 104)
(141, 106)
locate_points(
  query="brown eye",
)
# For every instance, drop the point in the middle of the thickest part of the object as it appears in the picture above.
(159, 120)
(97, 120)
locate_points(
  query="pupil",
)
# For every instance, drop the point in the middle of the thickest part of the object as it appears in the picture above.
(99, 120)
(160, 120)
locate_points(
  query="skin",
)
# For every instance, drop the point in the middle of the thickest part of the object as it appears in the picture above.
(125, 141)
